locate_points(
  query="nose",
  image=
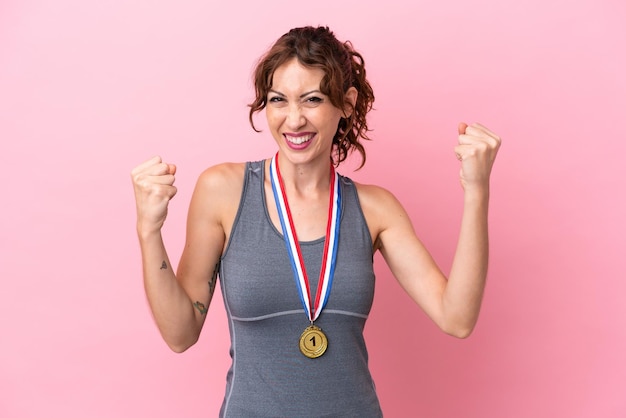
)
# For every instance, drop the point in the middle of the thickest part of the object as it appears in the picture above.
(295, 117)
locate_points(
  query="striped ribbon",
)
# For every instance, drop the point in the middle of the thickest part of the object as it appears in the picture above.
(329, 257)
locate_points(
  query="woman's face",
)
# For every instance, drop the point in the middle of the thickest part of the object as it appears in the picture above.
(300, 117)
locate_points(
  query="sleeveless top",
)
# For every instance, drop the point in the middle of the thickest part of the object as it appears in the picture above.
(269, 376)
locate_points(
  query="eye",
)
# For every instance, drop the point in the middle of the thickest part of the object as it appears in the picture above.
(275, 99)
(313, 101)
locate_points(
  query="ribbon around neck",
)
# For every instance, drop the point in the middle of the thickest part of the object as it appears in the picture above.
(329, 257)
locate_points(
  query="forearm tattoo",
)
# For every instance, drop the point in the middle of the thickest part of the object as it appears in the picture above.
(200, 307)
(163, 265)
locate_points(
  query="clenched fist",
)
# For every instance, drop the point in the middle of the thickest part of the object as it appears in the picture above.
(477, 151)
(153, 182)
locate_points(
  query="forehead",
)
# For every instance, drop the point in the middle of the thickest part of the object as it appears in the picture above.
(292, 76)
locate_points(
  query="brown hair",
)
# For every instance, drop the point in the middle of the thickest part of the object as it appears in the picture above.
(343, 68)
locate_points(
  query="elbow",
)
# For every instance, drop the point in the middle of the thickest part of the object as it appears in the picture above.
(459, 324)
(180, 346)
(460, 333)
(459, 330)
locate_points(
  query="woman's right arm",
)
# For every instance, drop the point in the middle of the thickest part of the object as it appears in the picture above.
(179, 302)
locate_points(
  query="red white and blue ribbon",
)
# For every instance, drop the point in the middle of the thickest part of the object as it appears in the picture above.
(311, 308)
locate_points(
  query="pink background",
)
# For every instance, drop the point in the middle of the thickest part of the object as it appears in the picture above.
(90, 89)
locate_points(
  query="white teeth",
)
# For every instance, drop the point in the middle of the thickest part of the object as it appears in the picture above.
(299, 140)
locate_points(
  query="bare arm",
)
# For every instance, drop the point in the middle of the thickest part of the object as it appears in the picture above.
(179, 302)
(453, 302)
(477, 150)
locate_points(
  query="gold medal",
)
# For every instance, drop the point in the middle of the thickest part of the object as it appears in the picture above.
(313, 342)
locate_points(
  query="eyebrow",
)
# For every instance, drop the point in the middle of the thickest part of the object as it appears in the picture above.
(301, 96)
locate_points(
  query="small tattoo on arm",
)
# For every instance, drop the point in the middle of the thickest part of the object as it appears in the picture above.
(213, 278)
(200, 307)
(163, 265)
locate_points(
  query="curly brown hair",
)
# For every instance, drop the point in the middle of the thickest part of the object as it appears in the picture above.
(343, 68)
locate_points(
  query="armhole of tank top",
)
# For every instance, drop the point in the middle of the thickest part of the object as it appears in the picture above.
(347, 181)
(246, 181)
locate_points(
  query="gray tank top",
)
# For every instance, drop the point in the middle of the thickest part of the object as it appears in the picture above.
(269, 376)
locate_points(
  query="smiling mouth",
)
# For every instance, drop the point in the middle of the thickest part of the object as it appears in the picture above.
(299, 139)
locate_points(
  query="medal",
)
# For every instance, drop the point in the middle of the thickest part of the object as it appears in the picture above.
(313, 341)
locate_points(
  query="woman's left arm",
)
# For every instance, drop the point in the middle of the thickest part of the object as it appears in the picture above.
(453, 303)
(462, 298)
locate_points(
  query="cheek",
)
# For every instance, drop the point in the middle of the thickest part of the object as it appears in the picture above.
(272, 117)
(330, 122)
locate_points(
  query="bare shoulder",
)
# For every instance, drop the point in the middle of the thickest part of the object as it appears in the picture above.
(376, 199)
(222, 177)
(369, 192)
(218, 192)
(380, 208)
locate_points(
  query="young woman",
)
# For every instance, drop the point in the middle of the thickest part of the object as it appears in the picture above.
(293, 242)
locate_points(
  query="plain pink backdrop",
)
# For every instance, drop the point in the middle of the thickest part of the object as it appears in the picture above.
(90, 89)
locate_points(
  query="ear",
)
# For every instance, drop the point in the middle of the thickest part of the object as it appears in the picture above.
(350, 97)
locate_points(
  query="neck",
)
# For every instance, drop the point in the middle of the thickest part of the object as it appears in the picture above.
(312, 177)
